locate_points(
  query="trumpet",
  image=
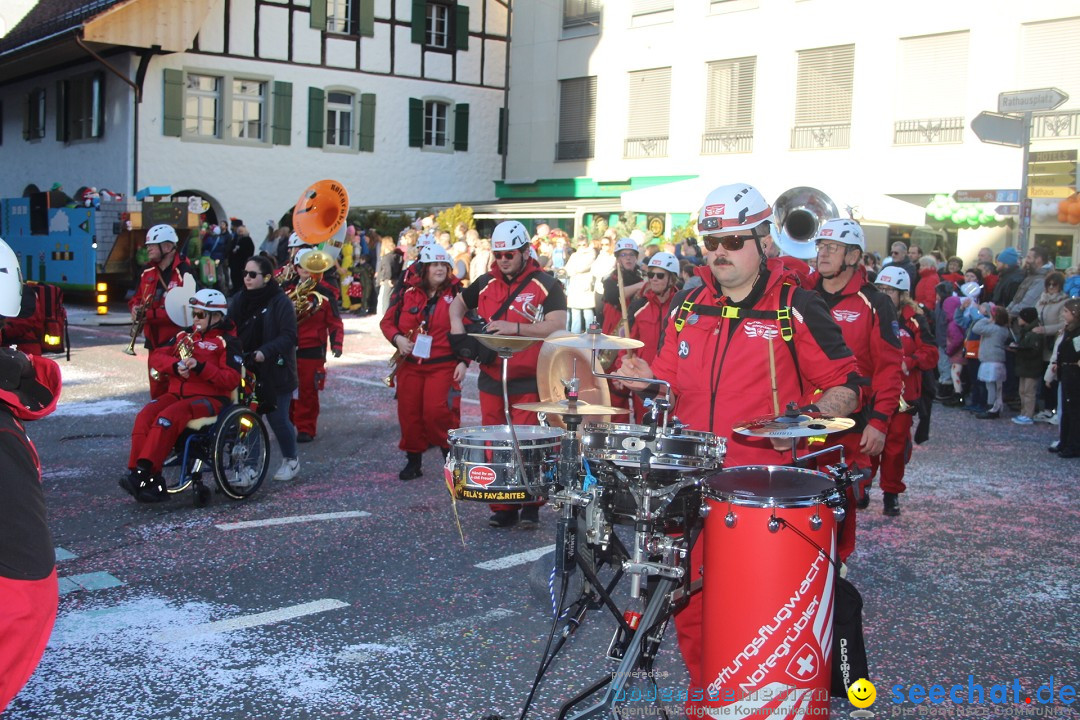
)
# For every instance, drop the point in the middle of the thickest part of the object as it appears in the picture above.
(185, 346)
(530, 312)
(138, 323)
(398, 358)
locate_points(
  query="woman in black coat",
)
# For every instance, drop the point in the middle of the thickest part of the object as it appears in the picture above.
(266, 325)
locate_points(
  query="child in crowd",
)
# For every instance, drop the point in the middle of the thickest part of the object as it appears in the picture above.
(1029, 363)
(993, 331)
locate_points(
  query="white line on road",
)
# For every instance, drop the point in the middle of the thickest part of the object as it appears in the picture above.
(363, 381)
(247, 621)
(291, 519)
(402, 643)
(517, 559)
(88, 409)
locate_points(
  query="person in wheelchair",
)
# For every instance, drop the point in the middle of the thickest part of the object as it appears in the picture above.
(202, 368)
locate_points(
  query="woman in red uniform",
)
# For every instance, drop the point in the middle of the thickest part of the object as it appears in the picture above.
(919, 353)
(429, 375)
(650, 309)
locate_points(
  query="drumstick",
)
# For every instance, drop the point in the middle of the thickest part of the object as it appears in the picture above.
(772, 379)
(624, 325)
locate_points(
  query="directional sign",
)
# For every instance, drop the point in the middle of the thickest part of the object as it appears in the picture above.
(1007, 210)
(1038, 191)
(987, 196)
(999, 129)
(1022, 101)
(1052, 156)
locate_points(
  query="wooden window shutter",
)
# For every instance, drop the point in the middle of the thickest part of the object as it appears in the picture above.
(824, 85)
(1050, 57)
(282, 121)
(419, 21)
(461, 127)
(503, 120)
(365, 19)
(461, 27)
(316, 117)
(61, 111)
(367, 122)
(172, 121)
(729, 101)
(318, 15)
(416, 122)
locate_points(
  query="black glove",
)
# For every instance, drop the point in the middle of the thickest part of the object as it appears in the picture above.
(336, 353)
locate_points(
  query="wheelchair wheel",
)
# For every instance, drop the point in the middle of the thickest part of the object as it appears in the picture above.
(241, 452)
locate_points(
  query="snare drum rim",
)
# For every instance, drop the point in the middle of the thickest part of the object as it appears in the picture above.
(468, 437)
(768, 501)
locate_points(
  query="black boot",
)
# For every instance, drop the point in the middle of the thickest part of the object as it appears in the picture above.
(412, 467)
(892, 505)
(151, 488)
(864, 501)
(445, 451)
(130, 482)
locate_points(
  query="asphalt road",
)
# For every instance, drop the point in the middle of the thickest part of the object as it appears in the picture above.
(366, 604)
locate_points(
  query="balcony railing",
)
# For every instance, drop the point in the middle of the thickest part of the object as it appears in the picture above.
(727, 141)
(645, 147)
(1051, 125)
(929, 131)
(820, 137)
(573, 149)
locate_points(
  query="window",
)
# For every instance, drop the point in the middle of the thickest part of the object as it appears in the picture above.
(650, 105)
(437, 26)
(338, 16)
(928, 107)
(651, 10)
(351, 17)
(581, 12)
(205, 106)
(577, 118)
(437, 124)
(202, 105)
(339, 119)
(823, 98)
(1049, 57)
(729, 106)
(80, 108)
(435, 114)
(34, 115)
(440, 25)
(248, 102)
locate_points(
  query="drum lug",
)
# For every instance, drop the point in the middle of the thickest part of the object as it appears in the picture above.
(774, 524)
(705, 509)
(815, 522)
(839, 513)
(730, 519)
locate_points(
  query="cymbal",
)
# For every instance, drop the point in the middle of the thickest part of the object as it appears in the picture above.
(563, 407)
(505, 343)
(596, 341)
(804, 425)
(556, 364)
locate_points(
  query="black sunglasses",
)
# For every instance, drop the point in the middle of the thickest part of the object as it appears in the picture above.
(199, 314)
(504, 255)
(656, 275)
(731, 243)
(252, 273)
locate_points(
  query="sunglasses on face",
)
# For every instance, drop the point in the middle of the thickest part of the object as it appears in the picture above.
(252, 274)
(199, 314)
(731, 243)
(504, 255)
(656, 275)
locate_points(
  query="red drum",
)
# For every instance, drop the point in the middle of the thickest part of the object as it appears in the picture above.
(768, 592)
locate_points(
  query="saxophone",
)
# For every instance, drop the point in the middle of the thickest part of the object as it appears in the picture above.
(305, 300)
(397, 358)
(138, 323)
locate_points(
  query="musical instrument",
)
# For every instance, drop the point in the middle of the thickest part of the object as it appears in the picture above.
(771, 577)
(178, 301)
(595, 341)
(798, 213)
(644, 446)
(793, 424)
(137, 323)
(530, 312)
(304, 299)
(316, 262)
(398, 358)
(185, 346)
(481, 465)
(321, 211)
(505, 344)
(567, 407)
(556, 362)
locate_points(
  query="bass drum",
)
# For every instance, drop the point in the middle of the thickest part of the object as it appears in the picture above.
(480, 464)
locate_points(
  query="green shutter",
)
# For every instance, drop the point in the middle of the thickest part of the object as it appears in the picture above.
(318, 14)
(172, 121)
(416, 122)
(26, 116)
(461, 27)
(281, 133)
(316, 117)
(501, 142)
(419, 21)
(461, 127)
(61, 111)
(365, 21)
(367, 122)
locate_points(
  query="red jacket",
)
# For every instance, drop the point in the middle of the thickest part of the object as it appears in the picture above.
(926, 290)
(867, 319)
(920, 352)
(648, 315)
(159, 329)
(218, 370)
(413, 307)
(322, 326)
(612, 307)
(718, 367)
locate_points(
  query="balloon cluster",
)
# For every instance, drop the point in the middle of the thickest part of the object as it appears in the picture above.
(1044, 210)
(1069, 210)
(944, 209)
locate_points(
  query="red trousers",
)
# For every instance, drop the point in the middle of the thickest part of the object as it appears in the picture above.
(491, 413)
(27, 614)
(159, 424)
(894, 458)
(428, 405)
(304, 412)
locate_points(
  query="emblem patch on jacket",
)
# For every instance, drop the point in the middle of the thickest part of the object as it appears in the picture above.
(756, 328)
(846, 315)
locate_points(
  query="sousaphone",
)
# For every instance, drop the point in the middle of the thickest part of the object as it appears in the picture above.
(177, 299)
(321, 211)
(557, 363)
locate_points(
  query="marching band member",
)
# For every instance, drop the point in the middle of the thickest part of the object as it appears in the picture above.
(626, 265)
(919, 353)
(316, 324)
(29, 388)
(716, 353)
(201, 368)
(650, 308)
(287, 272)
(165, 270)
(428, 374)
(499, 297)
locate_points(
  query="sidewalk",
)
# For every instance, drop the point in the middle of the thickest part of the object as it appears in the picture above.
(86, 315)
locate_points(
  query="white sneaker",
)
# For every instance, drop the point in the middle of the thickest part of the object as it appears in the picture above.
(1043, 416)
(1055, 420)
(290, 468)
(1022, 420)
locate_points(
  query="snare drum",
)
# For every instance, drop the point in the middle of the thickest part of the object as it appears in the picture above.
(768, 592)
(480, 464)
(670, 448)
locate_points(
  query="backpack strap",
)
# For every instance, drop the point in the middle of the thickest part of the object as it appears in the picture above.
(731, 312)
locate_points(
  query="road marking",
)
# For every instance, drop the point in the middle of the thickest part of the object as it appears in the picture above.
(62, 554)
(100, 407)
(291, 519)
(365, 652)
(87, 581)
(517, 559)
(247, 621)
(363, 381)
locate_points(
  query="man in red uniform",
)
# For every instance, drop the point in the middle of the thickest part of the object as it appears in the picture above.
(626, 262)
(867, 319)
(499, 298)
(202, 368)
(716, 355)
(165, 270)
(312, 333)
(29, 388)
(649, 310)
(429, 374)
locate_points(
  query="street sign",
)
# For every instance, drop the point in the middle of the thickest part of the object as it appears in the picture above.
(1024, 101)
(999, 129)
(1007, 210)
(987, 196)
(1052, 156)
(1038, 191)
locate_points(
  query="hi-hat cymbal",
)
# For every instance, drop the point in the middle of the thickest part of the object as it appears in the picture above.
(565, 407)
(802, 425)
(505, 343)
(596, 341)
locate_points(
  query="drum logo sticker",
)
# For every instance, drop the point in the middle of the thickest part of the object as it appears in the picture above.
(804, 664)
(481, 475)
(756, 328)
(684, 349)
(715, 210)
(848, 316)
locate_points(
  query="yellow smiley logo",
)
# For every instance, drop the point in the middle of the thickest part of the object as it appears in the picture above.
(862, 693)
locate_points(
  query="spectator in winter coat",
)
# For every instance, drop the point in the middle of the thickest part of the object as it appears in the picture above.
(1029, 363)
(1010, 274)
(1037, 266)
(580, 299)
(926, 286)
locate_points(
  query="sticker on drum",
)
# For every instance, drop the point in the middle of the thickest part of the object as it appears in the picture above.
(633, 444)
(481, 475)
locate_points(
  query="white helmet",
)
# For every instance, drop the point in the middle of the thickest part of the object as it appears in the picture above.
(10, 282)
(295, 242)
(894, 277)
(161, 234)
(434, 254)
(211, 300)
(626, 244)
(425, 241)
(665, 261)
(509, 235)
(732, 207)
(971, 290)
(842, 230)
(300, 255)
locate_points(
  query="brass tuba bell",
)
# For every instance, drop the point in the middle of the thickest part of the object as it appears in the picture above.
(321, 211)
(797, 215)
(316, 261)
